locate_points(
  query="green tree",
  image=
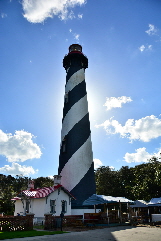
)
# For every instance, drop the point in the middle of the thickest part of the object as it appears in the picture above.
(6, 193)
(140, 182)
(147, 180)
(20, 183)
(107, 181)
(127, 181)
(43, 182)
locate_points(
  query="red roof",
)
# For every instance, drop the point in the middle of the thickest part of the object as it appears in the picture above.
(74, 51)
(38, 193)
(41, 192)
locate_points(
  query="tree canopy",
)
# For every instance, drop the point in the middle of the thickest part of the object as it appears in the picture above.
(11, 186)
(140, 182)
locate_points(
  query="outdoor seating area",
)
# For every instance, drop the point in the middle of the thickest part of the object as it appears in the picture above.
(81, 221)
(146, 212)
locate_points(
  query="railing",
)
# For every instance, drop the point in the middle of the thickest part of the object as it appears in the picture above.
(96, 218)
(52, 222)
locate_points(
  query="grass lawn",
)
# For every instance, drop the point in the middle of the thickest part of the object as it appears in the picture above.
(22, 234)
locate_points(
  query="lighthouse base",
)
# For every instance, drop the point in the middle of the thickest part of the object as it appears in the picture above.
(84, 189)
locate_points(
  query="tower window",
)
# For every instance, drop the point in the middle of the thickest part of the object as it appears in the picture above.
(75, 47)
(64, 145)
(66, 99)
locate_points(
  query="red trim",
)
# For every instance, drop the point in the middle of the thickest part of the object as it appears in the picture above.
(77, 52)
(15, 198)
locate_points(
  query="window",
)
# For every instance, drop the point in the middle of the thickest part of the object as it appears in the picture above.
(75, 47)
(52, 206)
(58, 191)
(64, 206)
(66, 99)
(64, 145)
(27, 206)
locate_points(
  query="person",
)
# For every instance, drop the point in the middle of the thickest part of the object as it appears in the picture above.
(61, 216)
(18, 214)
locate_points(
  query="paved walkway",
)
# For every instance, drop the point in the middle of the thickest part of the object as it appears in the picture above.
(107, 234)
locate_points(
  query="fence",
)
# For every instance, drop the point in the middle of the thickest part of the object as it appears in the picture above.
(16, 223)
(52, 222)
(96, 218)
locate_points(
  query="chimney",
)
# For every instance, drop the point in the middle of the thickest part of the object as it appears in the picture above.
(57, 180)
(30, 184)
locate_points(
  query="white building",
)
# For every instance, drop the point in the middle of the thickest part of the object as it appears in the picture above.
(45, 200)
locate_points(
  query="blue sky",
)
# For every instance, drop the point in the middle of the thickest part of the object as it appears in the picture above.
(122, 40)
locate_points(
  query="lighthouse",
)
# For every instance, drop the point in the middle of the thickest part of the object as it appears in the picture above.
(76, 157)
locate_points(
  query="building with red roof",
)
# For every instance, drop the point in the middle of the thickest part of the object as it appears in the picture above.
(44, 200)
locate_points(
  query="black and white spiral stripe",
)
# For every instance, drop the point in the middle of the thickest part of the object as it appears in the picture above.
(76, 160)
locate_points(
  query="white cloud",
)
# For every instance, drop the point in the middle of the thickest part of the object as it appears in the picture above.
(36, 11)
(3, 15)
(71, 15)
(142, 48)
(114, 102)
(18, 147)
(97, 163)
(76, 36)
(144, 129)
(17, 169)
(80, 16)
(150, 47)
(152, 30)
(51, 177)
(141, 155)
(147, 47)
